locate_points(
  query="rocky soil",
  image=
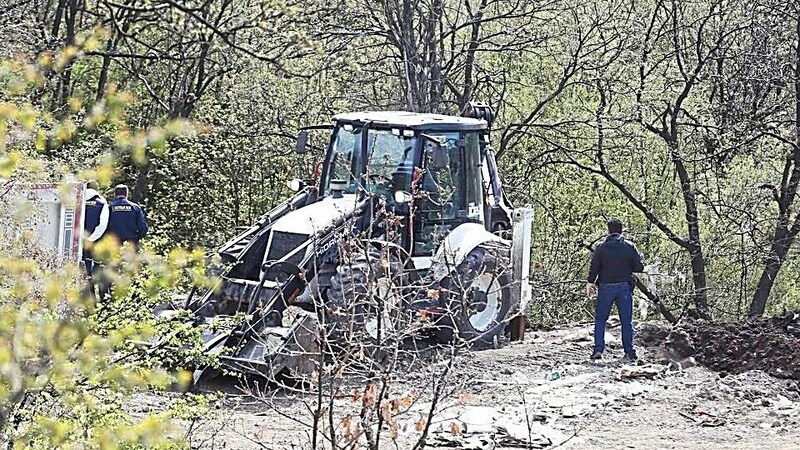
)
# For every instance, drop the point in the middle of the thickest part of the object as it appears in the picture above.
(546, 393)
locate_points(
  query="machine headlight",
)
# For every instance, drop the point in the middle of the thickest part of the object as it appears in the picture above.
(402, 197)
(295, 185)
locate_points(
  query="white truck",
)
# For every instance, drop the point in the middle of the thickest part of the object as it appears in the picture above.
(50, 214)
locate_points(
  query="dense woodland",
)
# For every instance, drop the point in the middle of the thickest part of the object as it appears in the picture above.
(682, 117)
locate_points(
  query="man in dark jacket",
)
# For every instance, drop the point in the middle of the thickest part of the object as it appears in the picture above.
(126, 222)
(612, 267)
(95, 222)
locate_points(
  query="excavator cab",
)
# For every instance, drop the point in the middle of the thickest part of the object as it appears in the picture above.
(436, 171)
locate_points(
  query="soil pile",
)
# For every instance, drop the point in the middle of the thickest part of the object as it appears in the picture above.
(771, 345)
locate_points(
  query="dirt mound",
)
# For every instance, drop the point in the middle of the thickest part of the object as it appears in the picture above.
(771, 345)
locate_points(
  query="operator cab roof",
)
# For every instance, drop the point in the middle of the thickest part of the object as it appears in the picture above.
(415, 121)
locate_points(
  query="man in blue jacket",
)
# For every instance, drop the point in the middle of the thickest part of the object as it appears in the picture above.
(94, 224)
(612, 267)
(126, 222)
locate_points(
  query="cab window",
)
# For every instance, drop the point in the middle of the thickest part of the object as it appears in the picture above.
(451, 188)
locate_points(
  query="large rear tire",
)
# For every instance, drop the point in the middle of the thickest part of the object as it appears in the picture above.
(478, 298)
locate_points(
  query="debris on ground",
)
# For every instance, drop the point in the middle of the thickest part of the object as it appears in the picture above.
(507, 398)
(489, 427)
(647, 371)
(488, 441)
(506, 439)
(771, 345)
(481, 442)
(703, 418)
(483, 428)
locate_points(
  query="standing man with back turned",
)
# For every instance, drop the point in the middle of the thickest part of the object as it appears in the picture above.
(127, 222)
(612, 267)
(95, 223)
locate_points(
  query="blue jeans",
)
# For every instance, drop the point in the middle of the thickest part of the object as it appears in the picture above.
(607, 295)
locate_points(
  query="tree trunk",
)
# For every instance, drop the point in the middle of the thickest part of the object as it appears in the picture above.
(102, 79)
(113, 41)
(469, 66)
(699, 294)
(140, 189)
(781, 242)
(695, 248)
(64, 89)
(431, 43)
(56, 28)
(783, 237)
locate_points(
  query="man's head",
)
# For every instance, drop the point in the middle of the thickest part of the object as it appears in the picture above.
(93, 184)
(615, 226)
(121, 190)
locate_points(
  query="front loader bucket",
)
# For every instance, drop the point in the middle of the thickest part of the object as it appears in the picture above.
(262, 348)
(276, 349)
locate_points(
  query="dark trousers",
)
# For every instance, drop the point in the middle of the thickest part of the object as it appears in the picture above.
(609, 294)
(97, 283)
(89, 266)
(88, 262)
(103, 285)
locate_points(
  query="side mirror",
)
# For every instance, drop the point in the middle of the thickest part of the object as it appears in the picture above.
(302, 141)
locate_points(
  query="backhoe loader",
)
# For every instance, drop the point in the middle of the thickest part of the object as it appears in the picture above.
(403, 232)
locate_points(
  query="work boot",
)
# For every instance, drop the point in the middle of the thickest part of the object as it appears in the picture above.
(596, 355)
(630, 357)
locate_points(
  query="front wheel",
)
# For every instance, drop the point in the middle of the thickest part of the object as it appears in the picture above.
(477, 298)
(366, 300)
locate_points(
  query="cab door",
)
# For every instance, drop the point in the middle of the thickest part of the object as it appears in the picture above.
(449, 189)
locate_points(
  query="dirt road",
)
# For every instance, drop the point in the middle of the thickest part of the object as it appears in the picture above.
(546, 391)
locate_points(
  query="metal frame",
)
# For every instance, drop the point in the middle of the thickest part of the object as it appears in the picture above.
(522, 222)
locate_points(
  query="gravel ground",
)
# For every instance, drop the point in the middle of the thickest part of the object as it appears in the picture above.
(545, 391)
